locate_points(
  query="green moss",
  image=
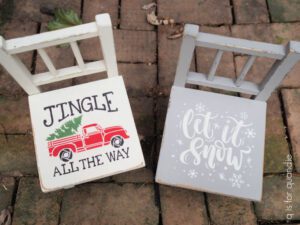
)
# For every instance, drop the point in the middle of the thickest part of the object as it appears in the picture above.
(276, 9)
(279, 40)
(276, 149)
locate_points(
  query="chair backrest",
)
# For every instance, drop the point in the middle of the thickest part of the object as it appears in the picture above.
(286, 57)
(30, 83)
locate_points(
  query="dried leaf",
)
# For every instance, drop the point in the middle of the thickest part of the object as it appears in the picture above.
(152, 19)
(149, 6)
(5, 217)
(177, 34)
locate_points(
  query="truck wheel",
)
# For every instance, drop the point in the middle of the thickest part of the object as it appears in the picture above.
(117, 141)
(66, 155)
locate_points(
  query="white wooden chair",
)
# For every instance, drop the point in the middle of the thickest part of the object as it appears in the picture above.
(30, 83)
(215, 142)
(90, 133)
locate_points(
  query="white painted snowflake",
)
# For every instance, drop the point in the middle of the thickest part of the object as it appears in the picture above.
(249, 160)
(250, 133)
(244, 115)
(222, 176)
(192, 173)
(179, 142)
(200, 107)
(236, 180)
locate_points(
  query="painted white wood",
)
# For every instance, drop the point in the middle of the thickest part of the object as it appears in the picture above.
(104, 142)
(101, 28)
(245, 70)
(221, 82)
(68, 73)
(17, 69)
(108, 48)
(77, 54)
(186, 54)
(215, 64)
(278, 71)
(46, 59)
(240, 45)
(51, 38)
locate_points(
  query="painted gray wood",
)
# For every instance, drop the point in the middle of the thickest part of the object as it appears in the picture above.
(215, 64)
(186, 54)
(278, 71)
(213, 143)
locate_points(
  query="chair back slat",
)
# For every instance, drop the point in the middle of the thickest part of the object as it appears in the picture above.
(101, 28)
(215, 64)
(286, 57)
(245, 70)
(46, 59)
(53, 38)
(77, 54)
(69, 72)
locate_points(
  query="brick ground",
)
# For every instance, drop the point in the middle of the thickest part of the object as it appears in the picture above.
(147, 59)
(175, 200)
(34, 207)
(291, 99)
(109, 204)
(248, 11)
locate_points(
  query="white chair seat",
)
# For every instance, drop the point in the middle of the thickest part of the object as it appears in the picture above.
(214, 143)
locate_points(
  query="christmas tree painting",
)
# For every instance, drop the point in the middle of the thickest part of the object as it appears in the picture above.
(67, 129)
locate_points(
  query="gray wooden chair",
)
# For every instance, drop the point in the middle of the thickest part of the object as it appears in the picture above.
(215, 142)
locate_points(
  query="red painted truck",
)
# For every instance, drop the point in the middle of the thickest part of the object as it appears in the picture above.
(93, 136)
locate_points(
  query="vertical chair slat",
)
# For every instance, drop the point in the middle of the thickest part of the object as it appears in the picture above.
(47, 61)
(215, 64)
(108, 48)
(77, 54)
(17, 70)
(245, 70)
(186, 54)
(278, 71)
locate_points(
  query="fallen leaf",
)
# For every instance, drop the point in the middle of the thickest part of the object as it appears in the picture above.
(177, 33)
(149, 6)
(152, 19)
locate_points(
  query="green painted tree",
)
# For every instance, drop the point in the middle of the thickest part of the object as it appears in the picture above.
(67, 129)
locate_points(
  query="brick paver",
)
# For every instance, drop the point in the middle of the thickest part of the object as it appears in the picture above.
(94, 7)
(211, 12)
(227, 211)
(7, 186)
(181, 206)
(30, 10)
(273, 205)
(168, 53)
(291, 98)
(14, 29)
(284, 11)
(13, 120)
(140, 79)
(109, 204)
(133, 17)
(131, 46)
(249, 11)
(276, 146)
(34, 207)
(17, 155)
